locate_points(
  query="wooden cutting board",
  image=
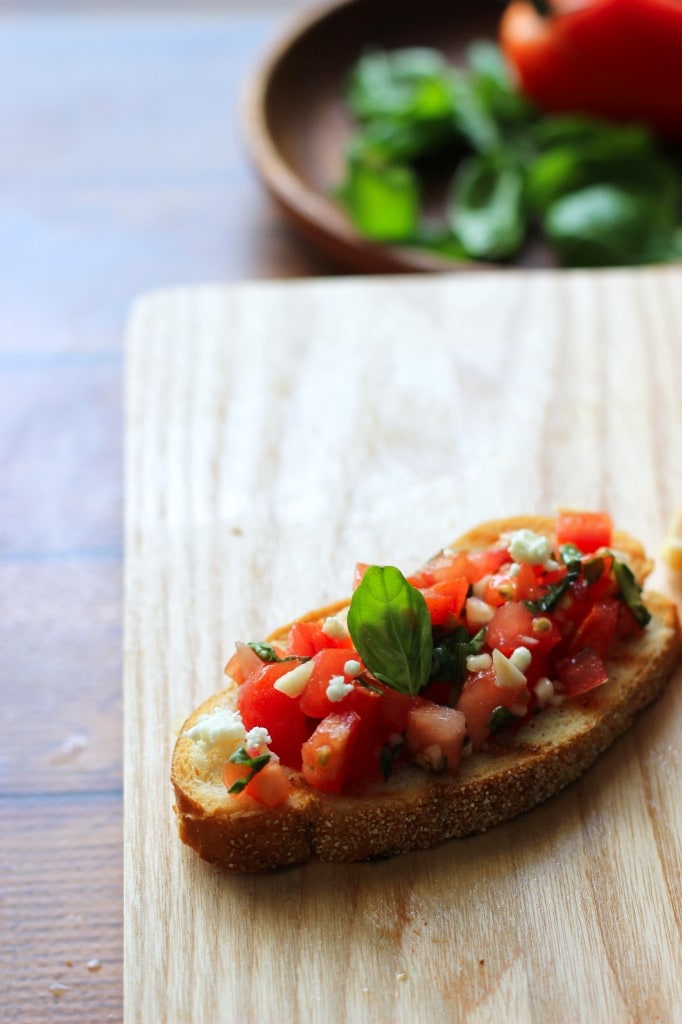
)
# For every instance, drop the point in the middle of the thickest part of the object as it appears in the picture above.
(278, 432)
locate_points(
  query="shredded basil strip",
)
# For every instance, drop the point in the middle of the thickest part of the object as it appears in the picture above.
(549, 601)
(267, 653)
(449, 660)
(631, 592)
(388, 757)
(500, 717)
(254, 763)
(390, 626)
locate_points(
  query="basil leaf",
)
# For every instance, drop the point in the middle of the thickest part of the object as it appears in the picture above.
(267, 653)
(254, 763)
(556, 591)
(631, 592)
(409, 83)
(390, 626)
(448, 664)
(388, 757)
(486, 209)
(607, 225)
(500, 717)
(382, 200)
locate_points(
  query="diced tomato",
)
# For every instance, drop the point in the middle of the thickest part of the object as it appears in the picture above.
(327, 753)
(260, 704)
(483, 563)
(435, 734)
(589, 531)
(360, 570)
(598, 628)
(440, 693)
(479, 698)
(445, 599)
(326, 665)
(270, 785)
(394, 708)
(243, 662)
(509, 627)
(307, 638)
(581, 672)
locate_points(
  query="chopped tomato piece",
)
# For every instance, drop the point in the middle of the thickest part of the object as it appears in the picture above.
(581, 672)
(260, 704)
(435, 736)
(327, 754)
(270, 786)
(479, 698)
(589, 531)
(445, 599)
(483, 563)
(326, 665)
(307, 638)
(509, 627)
(243, 662)
(394, 708)
(598, 628)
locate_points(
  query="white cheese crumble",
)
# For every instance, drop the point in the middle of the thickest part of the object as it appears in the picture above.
(338, 688)
(530, 548)
(506, 672)
(220, 733)
(257, 738)
(335, 627)
(293, 683)
(352, 668)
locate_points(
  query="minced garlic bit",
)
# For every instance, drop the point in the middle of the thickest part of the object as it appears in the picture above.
(521, 658)
(529, 548)
(506, 672)
(293, 683)
(478, 662)
(478, 613)
(338, 688)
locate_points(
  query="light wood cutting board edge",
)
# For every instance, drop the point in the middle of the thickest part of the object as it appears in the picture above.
(394, 954)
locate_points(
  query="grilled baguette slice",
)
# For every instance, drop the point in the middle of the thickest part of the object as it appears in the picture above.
(414, 809)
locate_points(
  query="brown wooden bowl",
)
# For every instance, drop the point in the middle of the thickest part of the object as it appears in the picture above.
(297, 123)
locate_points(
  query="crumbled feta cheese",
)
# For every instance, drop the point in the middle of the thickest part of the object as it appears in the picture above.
(478, 662)
(257, 738)
(521, 658)
(506, 673)
(352, 668)
(529, 547)
(338, 688)
(335, 627)
(478, 613)
(220, 733)
(293, 683)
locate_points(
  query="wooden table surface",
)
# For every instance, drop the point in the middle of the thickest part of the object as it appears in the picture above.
(123, 169)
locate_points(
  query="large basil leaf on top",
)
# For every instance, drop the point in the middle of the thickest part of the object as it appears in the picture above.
(390, 626)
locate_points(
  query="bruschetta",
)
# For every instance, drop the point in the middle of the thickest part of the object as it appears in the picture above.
(428, 706)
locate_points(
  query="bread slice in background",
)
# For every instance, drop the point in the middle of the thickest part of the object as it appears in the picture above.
(415, 809)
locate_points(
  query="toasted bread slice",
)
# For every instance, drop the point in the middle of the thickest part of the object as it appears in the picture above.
(415, 809)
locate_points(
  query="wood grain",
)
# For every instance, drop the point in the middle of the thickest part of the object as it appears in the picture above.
(275, 434)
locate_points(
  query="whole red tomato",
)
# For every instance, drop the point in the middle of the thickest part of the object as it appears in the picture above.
(619, 59)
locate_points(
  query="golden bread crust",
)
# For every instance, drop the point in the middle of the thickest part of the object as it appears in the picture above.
(414, 809)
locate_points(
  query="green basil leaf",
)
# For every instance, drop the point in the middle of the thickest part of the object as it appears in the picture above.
(486, 210)
(266, 652)
(448, 664)
(409, 83)
(254, 763)
(382, 201)
(388, 757)
(500, 717)
(631, 592)
(390, 626)
(604, 225)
